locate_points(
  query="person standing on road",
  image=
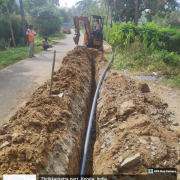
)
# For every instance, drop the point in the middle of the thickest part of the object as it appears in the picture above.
(30, 37)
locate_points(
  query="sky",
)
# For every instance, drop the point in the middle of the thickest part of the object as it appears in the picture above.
(68, 2)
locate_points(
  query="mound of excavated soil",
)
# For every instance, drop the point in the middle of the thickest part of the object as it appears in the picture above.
(132, 123)
(48, 133)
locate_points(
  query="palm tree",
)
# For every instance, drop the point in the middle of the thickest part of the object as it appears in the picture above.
(108, 3)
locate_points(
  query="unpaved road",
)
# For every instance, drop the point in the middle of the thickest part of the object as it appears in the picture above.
(18, 81)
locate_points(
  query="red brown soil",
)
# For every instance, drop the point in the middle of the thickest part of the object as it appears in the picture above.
(49, 131)
(143, 126)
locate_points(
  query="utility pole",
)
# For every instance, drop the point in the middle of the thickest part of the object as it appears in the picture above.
(12, 34)
(136, 12)
(23, 21)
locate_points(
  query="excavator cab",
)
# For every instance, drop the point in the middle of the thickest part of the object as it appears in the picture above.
(93, 37)
(97, 33)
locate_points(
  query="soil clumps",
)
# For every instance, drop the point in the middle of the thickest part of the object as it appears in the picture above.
(134, 129)
(47, 135)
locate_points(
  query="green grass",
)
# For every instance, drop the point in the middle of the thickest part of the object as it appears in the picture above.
(139, 58)
(12, 55)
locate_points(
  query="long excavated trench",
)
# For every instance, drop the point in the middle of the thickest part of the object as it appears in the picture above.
(47, 135)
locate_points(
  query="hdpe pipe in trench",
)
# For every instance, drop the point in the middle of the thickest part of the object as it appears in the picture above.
(92, 115)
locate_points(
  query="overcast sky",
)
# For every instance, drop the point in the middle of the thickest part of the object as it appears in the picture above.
(69, 3)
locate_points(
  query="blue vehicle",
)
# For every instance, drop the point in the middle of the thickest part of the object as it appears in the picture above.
(66, 28)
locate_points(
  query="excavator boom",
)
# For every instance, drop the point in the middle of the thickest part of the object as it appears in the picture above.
(77, 30)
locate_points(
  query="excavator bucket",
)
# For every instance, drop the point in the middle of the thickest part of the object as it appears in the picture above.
(76, 38)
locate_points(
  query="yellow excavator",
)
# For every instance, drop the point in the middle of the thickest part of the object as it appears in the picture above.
(92, 38)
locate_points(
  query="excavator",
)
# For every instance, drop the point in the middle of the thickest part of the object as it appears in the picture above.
(92, 38)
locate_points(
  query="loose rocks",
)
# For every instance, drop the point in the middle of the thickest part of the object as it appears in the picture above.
(143, 87)
(141, 126)
(131, 161)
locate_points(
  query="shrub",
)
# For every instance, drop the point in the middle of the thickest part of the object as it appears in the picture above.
(150, 34)
(107, 33)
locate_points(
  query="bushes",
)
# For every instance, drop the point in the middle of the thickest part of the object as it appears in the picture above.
(16, 22)
(107, 33)
(150, 34)
(139, 57)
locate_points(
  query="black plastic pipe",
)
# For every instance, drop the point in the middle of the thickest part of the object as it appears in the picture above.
(92, 115)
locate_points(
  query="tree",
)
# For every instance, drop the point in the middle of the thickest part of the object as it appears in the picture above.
(12, 6)
(137, 12)
(74, 10)
(29, 5)
(126, 8)
(55, 2)
(97, 8)
(82, 5)
(23, 21)
(160, 8)
(67, 15)
(109, 4)
(166, 18)
(4, 3)
(46, 19)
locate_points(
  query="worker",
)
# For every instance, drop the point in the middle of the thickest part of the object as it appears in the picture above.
(30, 38)
(98, 25)
(45, 44)
(98, 29)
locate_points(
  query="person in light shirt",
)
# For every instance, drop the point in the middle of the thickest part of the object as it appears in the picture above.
(98, 25)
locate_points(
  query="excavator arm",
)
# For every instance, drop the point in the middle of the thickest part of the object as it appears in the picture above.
(77, 30)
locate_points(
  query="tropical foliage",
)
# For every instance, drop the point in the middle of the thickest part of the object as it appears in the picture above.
(12, 5)
(124, 10)
(67, 15)
(5, 31)
(146, 48)
(46, 20)
(149, 34)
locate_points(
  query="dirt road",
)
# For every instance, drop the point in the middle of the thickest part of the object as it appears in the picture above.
(19, 81)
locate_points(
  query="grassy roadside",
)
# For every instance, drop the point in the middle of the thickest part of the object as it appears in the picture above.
(137, 57)
(12, 55)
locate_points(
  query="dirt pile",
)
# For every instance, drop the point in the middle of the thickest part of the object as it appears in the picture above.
(134, 129)
(46, 136)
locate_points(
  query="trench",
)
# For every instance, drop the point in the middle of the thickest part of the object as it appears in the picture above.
(89, 163)
(48, 133)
